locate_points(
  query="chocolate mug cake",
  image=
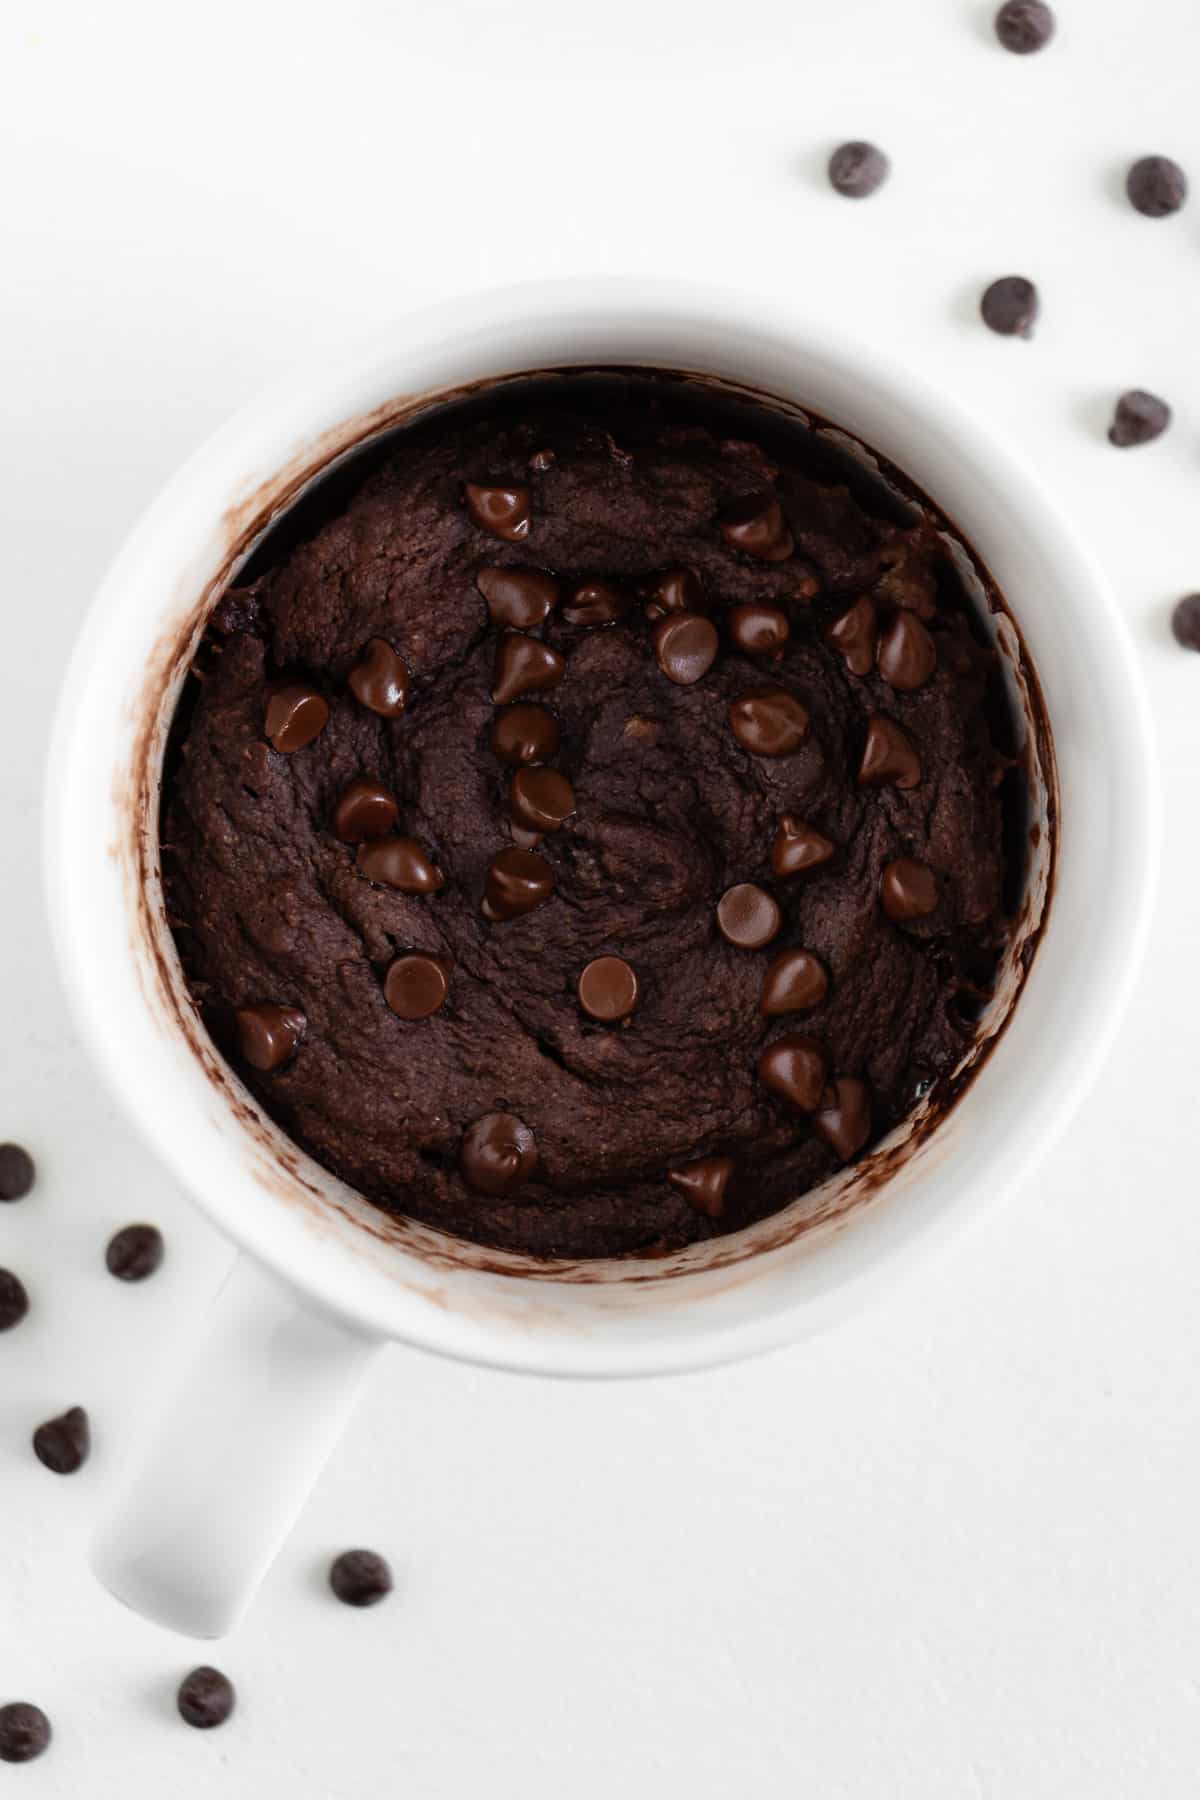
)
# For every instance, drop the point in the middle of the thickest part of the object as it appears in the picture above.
(595, 815)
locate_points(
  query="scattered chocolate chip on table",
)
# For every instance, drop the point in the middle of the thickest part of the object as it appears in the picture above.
(17, 1172)
(1185, 621)
(205, 1698)
(858, 169)
(135, 1252)
(14, 1300)
(1010, 306)
(360, 1577)
(1138, 418)
(1156, 186)
(24, 1731)
(1024, 26)
(63, 1444)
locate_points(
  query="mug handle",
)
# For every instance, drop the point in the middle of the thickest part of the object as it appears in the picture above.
(244, 1433)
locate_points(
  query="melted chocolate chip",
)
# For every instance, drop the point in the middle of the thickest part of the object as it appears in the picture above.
(686, 647)
(757, 629)
(14, 1301)
(608, 989)
(757, 526)
(540, 799)
(364, 810)
(889, 757)
(134, 1253)
(843, 1120)
(205, 1698)
(64, 1444)
(360, 1578)
(1156, 186)
(703, 1183)
(858, 169)
(379, 679)
(504, 511)
(1010, 306)
(907, 653)
(518, 599)
(524, 665)
(517, 881)
(768, 721)
(794, 1068)
(1024, 26)
(415, 985)
(854, 636)
(798, 846)
(747, 916)
(597, 603)
(1185, 621)
(268, 1034)
(525, 734)
(24, 1731)
(671, 591)
(1139, 418)
(296, 714)
(907, 890)
(16, 1172)
(498, 1154)
(399, 862)
(795, 982)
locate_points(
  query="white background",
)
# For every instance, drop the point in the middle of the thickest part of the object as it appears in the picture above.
(945, 1554)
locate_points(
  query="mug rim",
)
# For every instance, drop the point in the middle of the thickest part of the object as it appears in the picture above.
(498, 1334)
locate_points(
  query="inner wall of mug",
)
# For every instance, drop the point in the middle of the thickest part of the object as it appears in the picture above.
(278, 1164)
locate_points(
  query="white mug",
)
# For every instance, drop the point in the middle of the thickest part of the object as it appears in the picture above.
(326, 1278)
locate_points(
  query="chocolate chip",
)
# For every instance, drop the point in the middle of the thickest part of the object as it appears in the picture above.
(14, 1301)
(1010, 306)
(1139, 418)
(296, 714)
(843, 1120)
(907, 654)
(597, 603)
(703, 1183)
(516, 882)
(268, 1034)
(415, 985)
(671, 591)
(16, 1172)
(63, 1444)
(748, 916)
(504, 511)
(1156, 186)
(541, 460)
(758, 630)
(757, 526)
(768, 721)
(134, 1252)
(1185, 622)
(854, 636)
(540, 799)
(686, 647)
(608, 989)
(24, 1731)
(794, 1068)
(205, 1698)
(364, 810)
(889, 758)
(907, 890)
(379, 679)
(525, 734)
(498, 1154)
(798, 846)
(519, 599)
(524, 665)
(1024, 26)
(795, 982)
(360, 1578)
(399, 862)
(858, 169)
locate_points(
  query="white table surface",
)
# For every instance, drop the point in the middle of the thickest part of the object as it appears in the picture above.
(948, 1553)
